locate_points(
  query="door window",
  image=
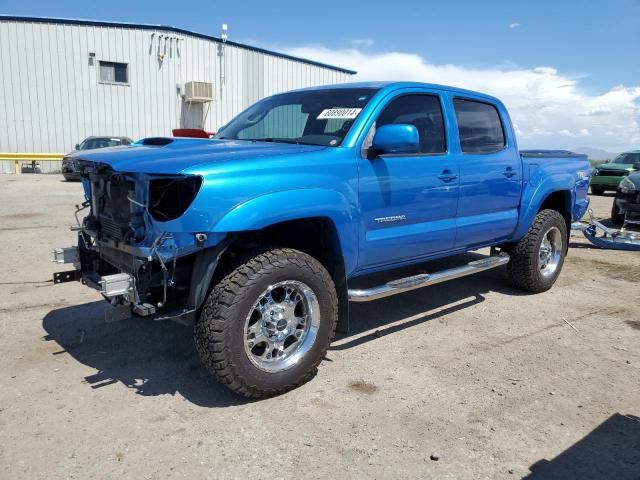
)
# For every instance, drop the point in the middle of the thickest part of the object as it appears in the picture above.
(422, 111)
(479, 127)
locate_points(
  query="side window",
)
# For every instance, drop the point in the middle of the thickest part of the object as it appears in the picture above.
(479, 126)
(422, 111)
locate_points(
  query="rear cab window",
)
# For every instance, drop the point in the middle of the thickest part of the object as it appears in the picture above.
(479, 126)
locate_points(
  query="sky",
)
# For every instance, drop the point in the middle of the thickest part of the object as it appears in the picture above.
(569, 71)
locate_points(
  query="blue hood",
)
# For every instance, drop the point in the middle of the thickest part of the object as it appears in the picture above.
(185, 155)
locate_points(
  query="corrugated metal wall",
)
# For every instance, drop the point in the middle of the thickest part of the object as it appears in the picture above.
(52, 98)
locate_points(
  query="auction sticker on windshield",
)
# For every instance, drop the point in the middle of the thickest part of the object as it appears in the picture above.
(342, 113)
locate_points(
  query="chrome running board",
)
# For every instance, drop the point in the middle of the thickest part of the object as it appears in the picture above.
(425, 279)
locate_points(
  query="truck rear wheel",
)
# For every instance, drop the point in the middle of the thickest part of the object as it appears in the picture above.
(537, 259)
(266, 325)
(597, 190)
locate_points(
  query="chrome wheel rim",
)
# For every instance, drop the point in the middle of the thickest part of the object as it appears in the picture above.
(281, 326)
(550, 252)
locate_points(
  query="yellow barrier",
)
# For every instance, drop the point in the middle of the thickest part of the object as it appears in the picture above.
(32, 157)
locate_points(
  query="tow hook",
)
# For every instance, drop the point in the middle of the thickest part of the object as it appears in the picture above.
(66, 255)
(117, 285)
(63, 256)
(121, 289)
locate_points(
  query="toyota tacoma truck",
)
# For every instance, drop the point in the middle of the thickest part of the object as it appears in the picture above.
(258, 237)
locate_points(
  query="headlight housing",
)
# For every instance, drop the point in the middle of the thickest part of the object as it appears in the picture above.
(627, 186)
(170, 197)
(595, 172)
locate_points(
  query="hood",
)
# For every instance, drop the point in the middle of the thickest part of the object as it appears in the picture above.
(614, 166)
(185, 155)
(75, 153)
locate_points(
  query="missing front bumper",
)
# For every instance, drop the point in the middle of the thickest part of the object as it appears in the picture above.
(119, 289)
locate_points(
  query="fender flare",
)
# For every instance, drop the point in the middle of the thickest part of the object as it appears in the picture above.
(269, 209)
(534, 200)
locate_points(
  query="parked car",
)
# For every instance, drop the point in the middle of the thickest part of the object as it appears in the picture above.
(627, 201)
(607, 176)
(69, 165)
(257, 235)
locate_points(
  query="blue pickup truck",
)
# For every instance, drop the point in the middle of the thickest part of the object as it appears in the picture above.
(256, 237)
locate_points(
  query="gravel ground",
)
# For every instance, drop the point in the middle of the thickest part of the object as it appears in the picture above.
(468, 379)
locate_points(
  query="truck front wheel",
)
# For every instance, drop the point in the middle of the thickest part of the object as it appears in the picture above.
(536, 260)
(267, 324)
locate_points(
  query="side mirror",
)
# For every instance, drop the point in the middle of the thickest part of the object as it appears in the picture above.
(396, 138)
(77, 146)
(636, 166)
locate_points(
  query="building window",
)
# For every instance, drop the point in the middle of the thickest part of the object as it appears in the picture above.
(111, 72)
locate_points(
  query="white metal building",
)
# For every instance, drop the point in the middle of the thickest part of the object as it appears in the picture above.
(62, 80)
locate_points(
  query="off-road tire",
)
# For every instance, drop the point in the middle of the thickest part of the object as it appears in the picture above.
(219, 332)
(523, 269)
(597, 190)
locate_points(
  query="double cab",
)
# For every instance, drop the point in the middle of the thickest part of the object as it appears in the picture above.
(259, 236)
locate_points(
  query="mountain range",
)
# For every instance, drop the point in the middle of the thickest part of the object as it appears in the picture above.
(595, 153)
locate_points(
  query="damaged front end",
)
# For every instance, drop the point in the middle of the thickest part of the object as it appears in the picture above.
(136, 249)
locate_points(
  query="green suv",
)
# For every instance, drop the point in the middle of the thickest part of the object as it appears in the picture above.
(609, 175)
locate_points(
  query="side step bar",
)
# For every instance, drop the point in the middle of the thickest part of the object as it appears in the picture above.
(425, 279)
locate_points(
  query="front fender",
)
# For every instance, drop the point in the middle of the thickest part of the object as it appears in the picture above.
(272, 208)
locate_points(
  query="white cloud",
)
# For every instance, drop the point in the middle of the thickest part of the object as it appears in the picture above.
(550, 108)
(362, 42)
(514, 25)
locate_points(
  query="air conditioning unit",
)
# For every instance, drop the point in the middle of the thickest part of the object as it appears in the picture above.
(198, 92)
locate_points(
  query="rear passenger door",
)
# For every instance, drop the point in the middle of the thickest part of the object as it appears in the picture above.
(490, 173)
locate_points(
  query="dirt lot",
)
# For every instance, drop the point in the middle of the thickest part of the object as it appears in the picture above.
(493, 382)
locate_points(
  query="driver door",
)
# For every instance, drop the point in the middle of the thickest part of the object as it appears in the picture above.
(409, 201)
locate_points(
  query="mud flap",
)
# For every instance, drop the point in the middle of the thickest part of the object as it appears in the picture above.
(204, 267)
(342, 289)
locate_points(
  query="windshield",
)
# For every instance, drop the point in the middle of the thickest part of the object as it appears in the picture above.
(312, 117)
(102, 142)
(627, 158)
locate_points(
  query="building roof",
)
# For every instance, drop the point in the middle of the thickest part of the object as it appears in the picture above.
(144, 26)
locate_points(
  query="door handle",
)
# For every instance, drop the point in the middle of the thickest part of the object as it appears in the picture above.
(509, 172)
(447, 176)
